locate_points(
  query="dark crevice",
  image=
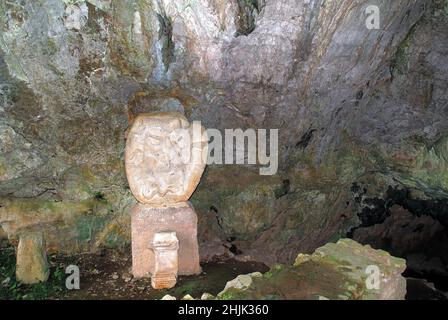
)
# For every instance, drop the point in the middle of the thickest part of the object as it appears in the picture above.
(166, 38)
(376, 210)
(359, 94)
(305, 139)
(214, 210)
(248, 11)
(311, 25)
(232, 247)
(100, 196)
(283, 190)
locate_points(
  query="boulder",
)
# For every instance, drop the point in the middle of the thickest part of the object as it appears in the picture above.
(207, 296)
(359, 264)
(345, 270)
(240, 282)
(32, 266)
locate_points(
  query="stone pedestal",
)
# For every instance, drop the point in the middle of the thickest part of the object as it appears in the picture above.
(165, 158)
(147, 221)
(166, 262)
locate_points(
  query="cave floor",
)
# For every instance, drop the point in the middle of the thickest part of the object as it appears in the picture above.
(107, 275)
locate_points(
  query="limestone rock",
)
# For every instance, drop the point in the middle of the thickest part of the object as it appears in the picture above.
(361, 259)
(165, 158)
(187, 297)
(341, 271)
(2, 234)
(32, 266)
(207, 296)
(68, 92)
(76, 16)
(168, 297)
(63, 221)
(242, 282)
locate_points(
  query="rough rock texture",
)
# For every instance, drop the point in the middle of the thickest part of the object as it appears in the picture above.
(2, 234)
(421, 240)
(353, 105)
(241, 282)
(147, 221)
(32, 265)
(334, 271)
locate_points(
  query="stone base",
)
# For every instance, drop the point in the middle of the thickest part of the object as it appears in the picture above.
(146, 221)
(163, 281)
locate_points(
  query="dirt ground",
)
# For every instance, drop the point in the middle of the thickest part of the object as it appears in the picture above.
(107, 275)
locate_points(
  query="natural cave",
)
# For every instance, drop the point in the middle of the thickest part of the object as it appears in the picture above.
(224, 150)
(413, 229)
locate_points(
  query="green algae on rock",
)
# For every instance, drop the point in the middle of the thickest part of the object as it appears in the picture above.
(335, 271)
(32, 266)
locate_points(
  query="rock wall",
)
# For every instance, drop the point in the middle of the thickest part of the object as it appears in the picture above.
(353, 105)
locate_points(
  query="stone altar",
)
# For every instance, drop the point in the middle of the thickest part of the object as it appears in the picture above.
(165, 157)
(165, 245)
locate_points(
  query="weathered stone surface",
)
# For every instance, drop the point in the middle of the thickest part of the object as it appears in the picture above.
(166, 262)
(165, 158)
(2, 234)
(334, 271)
(243, 282)
(392, 283)
(32, 266)
(207, 296)
(147, 221)
(420, 239)
(88, 223)
(370, 106)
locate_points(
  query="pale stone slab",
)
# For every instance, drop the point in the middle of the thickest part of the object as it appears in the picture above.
(165, 157)
(146, 221)
(32, 266)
